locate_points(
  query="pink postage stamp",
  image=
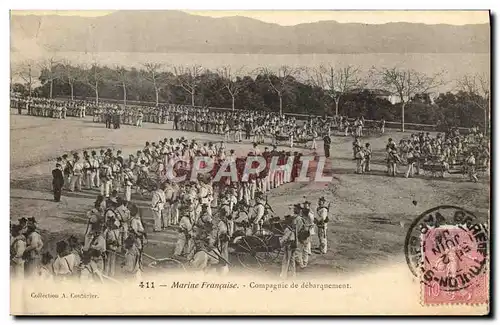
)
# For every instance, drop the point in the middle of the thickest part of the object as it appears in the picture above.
(454, 266)
(447, 249)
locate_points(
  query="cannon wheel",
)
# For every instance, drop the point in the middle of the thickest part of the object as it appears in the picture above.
(274, 256)
(253, 253)
(274, 249)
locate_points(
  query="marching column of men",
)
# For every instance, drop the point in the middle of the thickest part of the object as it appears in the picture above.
(58, 109)
(109, 170)
(235, 125)
(114, 223)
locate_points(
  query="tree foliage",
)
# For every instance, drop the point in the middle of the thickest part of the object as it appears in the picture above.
(264, 90)
(336, 82)
(405, 84)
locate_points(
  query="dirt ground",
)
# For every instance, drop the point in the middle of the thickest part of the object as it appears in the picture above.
(374, 210)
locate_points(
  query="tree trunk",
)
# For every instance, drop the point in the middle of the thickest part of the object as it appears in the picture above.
(337, 107)
(30, 83)
(51, 88)
(157, 93)
(403, 104)
(232, 97)
(96, 96)
(124, 95)
(281, 104)
(71, 87)
(192, 99)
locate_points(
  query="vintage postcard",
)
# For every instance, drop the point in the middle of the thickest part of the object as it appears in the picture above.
(250, 162)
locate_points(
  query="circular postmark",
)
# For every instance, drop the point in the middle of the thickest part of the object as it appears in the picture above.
(447, 246)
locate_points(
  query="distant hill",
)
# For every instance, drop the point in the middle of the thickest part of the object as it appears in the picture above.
(175, 31)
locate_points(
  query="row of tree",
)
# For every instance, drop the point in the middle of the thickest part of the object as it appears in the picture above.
(325, 89)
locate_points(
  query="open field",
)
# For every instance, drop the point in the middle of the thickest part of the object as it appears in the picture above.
(374, 210)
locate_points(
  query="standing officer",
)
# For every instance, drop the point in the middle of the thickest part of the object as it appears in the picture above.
(185, 239)
(168, 213)
(368, 157)
(321, 222)
(128, 181)
(123, 215)
(57, 182)
(314, 136)
(137, 227)
(64, 111)
(17, 247)
(174, 206)
(98, 243)
(471, 167)
(157, 205)
(106, 175)
(176, 121)
(115, 119)
(289, 242)
(309, 222)
(34, 245)
(87, 170)
(327, 141)
(205, 194)
(257, 214)
(116, 170)
(107, 117)
(140, 115)
(68, 170)
(113, 243)
(302, 235)
(76, 180)
(94, 167)
(222, 241)
(226, 212)
(132, 265)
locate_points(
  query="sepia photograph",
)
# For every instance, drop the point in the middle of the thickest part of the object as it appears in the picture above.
(175, 162)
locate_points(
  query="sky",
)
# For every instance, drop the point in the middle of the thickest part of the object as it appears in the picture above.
(290, 17)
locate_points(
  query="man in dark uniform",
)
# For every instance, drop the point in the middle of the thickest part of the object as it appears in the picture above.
(326, 145)
(176, 121)
(115, 118)
(107, 117)
(118, 118)
(57, 182)
(120, 157)
(18, 105)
